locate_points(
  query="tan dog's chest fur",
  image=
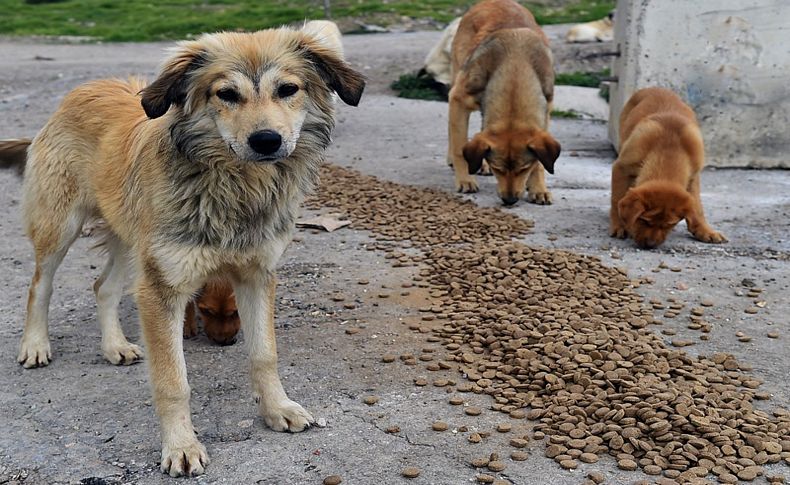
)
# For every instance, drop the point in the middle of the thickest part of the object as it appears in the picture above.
(656, 177)
(207, 188)
(502, 66)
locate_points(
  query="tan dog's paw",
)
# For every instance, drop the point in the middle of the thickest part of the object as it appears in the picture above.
(711, 236)
(34, 354)
(467, 185)
(485, 169)
(540, 198)
(122, 353)
(286, 416)
(188, 460)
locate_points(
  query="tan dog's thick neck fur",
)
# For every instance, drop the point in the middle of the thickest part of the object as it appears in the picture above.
(656, 177)
(207, 189)
(502, 66)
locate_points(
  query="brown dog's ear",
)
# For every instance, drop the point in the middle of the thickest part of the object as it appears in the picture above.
(546, 149)
(630, 208)
(475, 151)
(336, 73)
(170, 87)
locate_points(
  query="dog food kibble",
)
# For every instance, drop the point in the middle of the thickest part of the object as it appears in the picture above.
(483, 478)
(393, 429)
(504, 427)
(410, 472)
(473, 411)
(588, 457)
(561, 339)
(496, 466)
(370, 400)
(479, 462)
(388, 358)
(569, 464)
(773, 334)
(333, 480)
(519, 455)
(352, 331)
(439, 426)
(518, 443)
(596, 477)
(456, 400)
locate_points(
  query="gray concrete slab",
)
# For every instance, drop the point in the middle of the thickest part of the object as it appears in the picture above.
(81, 417)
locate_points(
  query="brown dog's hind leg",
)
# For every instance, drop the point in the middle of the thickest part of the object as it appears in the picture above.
(620, 185)
(256, 300)
(695, 220)
(162, 316)
(536, 186)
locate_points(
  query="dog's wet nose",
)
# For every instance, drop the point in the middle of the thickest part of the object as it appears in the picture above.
(509, 200)
(265, 142)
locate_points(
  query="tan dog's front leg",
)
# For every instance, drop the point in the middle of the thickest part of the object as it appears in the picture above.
(162, 314)
(536, 186)
(458, 131)
(620, 185)
(695, 220)
(255, 300)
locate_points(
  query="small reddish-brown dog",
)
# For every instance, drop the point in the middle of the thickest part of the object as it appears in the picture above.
(217, 307)
(655, 179)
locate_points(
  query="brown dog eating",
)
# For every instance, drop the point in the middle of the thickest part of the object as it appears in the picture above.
(502, 66)
(655, 179)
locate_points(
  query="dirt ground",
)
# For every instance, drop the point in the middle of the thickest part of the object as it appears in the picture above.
(81, 420)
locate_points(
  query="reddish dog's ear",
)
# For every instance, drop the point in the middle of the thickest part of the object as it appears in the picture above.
(630, 208)
(170, 87)
(546, 149)
(475, 151)
(336, 73)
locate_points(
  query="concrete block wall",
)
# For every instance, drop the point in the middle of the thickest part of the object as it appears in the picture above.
(729, 59)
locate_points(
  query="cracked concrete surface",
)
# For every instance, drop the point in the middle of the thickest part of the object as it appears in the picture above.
(81, 420)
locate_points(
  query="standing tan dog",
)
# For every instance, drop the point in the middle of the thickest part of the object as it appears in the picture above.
(655, 179)
(201, 182)
(503, 67)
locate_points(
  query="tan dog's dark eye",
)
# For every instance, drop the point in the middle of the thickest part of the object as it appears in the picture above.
(287, 90)
(229, 95)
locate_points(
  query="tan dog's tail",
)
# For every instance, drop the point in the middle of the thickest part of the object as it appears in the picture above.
(13, 154)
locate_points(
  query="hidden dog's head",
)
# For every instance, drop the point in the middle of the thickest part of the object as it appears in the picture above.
(511, 155)
(253, 95)
(217, 306)
(651, 210)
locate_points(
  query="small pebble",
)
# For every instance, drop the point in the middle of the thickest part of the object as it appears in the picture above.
(370, 400)
(352, 330)
(410, 472)
(773, 334)
(333, 480)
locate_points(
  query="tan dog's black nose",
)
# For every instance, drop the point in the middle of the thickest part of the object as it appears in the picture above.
(509, 200)
(265, 142)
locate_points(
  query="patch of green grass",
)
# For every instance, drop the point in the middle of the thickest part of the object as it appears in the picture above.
(413, 86)
(145, 20)
(586, 79)
(565, 114)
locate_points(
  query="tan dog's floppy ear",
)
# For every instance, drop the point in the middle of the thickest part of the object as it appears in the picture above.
(170, 87)
(481, 63)
(336, 73)
(630, 208)
(475, 151)
(546, 149)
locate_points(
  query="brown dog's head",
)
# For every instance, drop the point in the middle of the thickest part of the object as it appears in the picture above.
(511, 155)
(218, 311)
(651, 210)
(254, 95)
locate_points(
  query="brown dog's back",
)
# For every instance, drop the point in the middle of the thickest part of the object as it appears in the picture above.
(485, 18)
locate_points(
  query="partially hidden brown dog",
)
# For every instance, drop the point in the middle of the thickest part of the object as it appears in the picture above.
(199, 177)
(656, 177)
(214, 303)
(502, 66)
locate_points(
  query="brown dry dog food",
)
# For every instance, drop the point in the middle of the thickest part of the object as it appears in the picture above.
(560, 335)
(333, 480)
(410, 472)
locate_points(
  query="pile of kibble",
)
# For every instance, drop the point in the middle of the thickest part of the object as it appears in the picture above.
(560, 339)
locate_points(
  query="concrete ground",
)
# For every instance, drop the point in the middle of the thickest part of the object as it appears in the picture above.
(81, 420)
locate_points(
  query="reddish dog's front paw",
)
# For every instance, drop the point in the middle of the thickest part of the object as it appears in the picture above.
(485, 169)
(618, 232)
(711, 237)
